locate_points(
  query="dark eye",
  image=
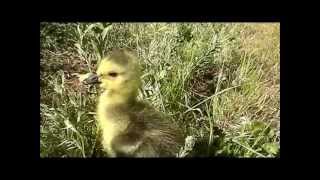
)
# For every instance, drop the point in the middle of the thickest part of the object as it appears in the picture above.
(113, 74)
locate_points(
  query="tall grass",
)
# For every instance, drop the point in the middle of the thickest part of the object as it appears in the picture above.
(219, 81)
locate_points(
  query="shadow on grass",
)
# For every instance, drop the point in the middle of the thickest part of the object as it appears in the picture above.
(203, 149)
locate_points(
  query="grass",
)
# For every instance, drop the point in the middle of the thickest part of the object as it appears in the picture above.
(219, 81)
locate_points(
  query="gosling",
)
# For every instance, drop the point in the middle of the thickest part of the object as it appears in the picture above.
(128, 127)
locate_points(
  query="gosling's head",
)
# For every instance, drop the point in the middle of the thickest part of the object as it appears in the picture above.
(119, 73)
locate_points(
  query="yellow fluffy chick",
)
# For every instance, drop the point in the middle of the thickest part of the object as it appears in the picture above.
(130, 128)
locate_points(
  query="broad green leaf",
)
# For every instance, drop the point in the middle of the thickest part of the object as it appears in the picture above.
(271, 148)
(162, 74)
(96, 49)
(105, 31)
(90, 27)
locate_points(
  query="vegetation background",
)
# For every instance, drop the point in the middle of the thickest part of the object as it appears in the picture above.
(219, 81)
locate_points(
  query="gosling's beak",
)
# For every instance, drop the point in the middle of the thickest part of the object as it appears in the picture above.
(92, 79)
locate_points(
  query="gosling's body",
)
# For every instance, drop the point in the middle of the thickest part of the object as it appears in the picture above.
(128, 127)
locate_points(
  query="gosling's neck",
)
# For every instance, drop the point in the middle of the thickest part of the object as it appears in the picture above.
(111, 99)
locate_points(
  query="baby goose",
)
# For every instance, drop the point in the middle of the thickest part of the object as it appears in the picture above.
(130, 128)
